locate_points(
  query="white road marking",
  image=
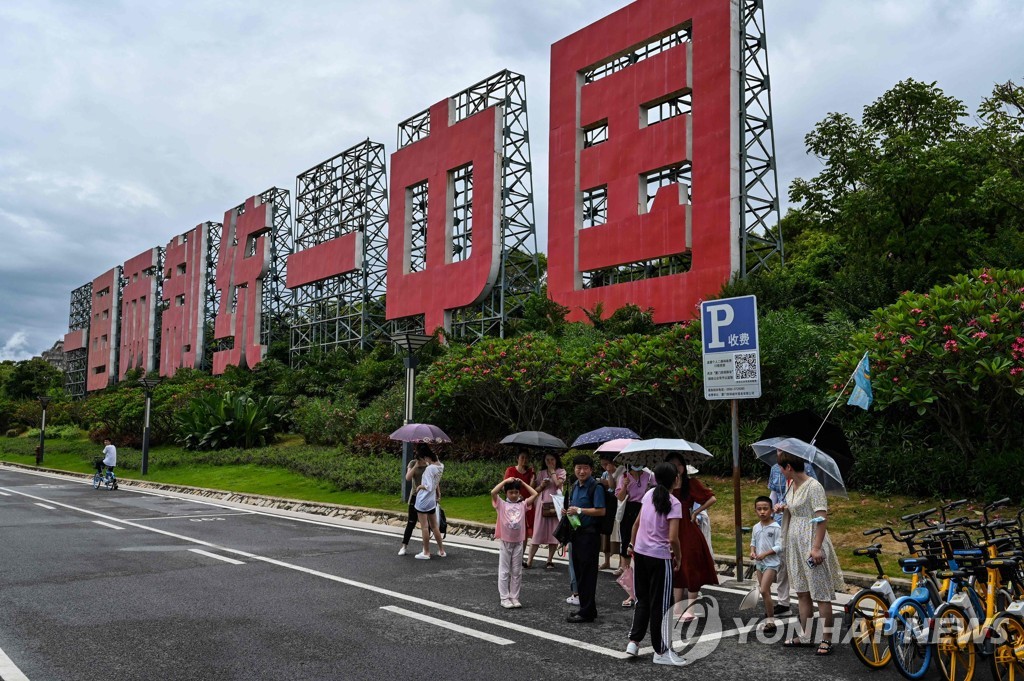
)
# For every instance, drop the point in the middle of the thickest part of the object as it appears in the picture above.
(214, 555)
(48, 508)
(544, 635)
(8, 670)
(4, 494)
(419, 617)
(111, 526)
(196, 515)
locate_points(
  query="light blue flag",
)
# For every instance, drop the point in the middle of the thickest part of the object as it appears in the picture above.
(861, 395)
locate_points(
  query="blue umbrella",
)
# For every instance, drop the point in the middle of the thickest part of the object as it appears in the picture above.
(598, 437)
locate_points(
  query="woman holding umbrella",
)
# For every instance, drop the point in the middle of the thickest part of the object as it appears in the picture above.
(814, 572)
(549, 482)
(426, 501)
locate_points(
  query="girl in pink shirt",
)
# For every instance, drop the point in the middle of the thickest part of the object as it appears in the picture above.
(510, 531)
(654, 547)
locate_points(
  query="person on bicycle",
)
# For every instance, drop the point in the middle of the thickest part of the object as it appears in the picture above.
(109, 458)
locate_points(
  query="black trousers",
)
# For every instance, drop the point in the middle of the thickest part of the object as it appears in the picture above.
(652, 581)
(586, 547)
(410, 524)
(629, 517)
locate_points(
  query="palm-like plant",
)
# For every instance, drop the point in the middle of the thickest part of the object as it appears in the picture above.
(216, 421)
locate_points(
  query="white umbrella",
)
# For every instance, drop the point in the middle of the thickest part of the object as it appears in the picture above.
(829, 476)
(651, 452)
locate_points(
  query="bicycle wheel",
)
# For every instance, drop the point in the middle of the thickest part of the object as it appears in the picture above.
(1008, 657)
(108, 482)
(868, 612)
(954, 646)
(911, 652)
(96, 481)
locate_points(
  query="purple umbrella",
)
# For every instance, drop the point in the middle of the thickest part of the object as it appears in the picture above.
(420, 432)
(598, 437)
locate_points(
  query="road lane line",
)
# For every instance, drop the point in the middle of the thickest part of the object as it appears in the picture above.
(8, 670)
(214, 555)
(544, 635)
(110, 525)
(48, 508)
(4, 494)
(419, 617)
(195, 515)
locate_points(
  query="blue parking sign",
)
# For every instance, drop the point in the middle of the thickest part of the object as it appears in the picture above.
(732, 360)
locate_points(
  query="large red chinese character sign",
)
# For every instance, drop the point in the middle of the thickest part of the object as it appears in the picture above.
(103, 326)
(183, 336)
(644, 134)
(444, 226)
(244, 261)
(138, 312)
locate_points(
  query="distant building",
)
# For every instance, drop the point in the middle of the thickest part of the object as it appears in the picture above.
(55, 356)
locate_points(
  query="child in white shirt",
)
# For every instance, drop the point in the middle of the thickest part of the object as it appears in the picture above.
(765, 550)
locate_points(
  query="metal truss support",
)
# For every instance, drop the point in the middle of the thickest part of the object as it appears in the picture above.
(519, 273)
(212, 301)
(77, 361)
(760, 231)
(344, 194)
(158, 305)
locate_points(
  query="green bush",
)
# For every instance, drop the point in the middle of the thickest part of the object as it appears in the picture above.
(325, 421)
(216, 421)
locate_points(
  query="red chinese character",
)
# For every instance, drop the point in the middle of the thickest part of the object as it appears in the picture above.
(183, 323)
(241, 266)
(444, 283)
(138, 313)
(621, 126)
(102, 362)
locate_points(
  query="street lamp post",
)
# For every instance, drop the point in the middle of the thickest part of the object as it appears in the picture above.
(411, 343)
(147, 384)
(43, 400)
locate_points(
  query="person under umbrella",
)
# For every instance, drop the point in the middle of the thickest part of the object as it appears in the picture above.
(523, 471)
(813, 565)
(697, 566)
(549, 482)
(426, 501)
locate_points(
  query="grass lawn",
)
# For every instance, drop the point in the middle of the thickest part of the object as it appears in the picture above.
(847, 520)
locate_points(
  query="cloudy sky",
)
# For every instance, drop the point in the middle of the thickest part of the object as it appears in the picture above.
(125, 123)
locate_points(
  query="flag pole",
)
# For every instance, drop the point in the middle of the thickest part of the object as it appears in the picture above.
(841, 392)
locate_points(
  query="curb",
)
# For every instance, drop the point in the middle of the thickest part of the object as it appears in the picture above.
(726, 565)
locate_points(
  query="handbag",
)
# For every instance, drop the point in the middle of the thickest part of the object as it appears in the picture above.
(547, 510)
(563, 533)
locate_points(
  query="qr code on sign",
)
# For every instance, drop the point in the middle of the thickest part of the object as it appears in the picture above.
(746, 366)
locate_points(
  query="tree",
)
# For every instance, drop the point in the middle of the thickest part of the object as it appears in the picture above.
(907, 197)
(32, 378)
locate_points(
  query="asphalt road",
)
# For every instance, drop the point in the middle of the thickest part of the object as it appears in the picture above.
(133, 584)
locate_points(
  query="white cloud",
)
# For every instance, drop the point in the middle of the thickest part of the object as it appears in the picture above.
(16, 348)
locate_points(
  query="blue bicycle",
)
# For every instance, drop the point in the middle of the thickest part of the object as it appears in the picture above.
(107, 479)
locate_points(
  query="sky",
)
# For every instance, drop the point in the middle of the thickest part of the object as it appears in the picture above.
(125, 123)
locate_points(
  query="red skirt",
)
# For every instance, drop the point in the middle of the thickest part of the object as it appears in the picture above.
(697, 567)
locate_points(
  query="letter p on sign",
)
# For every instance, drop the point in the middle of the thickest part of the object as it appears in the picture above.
(719, 316)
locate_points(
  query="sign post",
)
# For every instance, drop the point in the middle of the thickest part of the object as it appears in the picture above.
(732, 371)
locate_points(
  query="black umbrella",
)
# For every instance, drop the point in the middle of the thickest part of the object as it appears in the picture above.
(534, 438)
(804, 424)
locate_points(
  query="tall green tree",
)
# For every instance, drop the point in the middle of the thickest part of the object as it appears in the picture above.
(907, 197)
(31, 378)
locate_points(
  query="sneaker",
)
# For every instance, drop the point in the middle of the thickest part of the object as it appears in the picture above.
(573, 600)
(401, 551)
(671, 658)
(506, 603)
(781, 609)
(516, 603)
(632, 649)
(422, 556)
(442, 554)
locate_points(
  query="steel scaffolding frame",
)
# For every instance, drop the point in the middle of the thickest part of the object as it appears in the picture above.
(212, 301)
(760, 228)
(519, 271)
(344, 194)
(77, 361)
